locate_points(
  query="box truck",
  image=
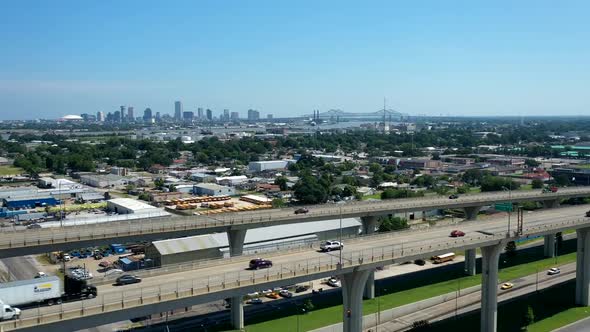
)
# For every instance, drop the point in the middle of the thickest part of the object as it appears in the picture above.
(44, 290)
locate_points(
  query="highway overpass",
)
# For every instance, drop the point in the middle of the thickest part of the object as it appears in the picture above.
(228, 278)
(33, 241)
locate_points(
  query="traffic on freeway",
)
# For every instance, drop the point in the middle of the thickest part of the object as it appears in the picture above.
(233, 275)
(10, 239)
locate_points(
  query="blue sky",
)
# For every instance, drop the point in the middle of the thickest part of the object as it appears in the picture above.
(286, 58)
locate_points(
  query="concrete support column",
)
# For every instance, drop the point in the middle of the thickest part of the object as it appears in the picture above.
(489, 287)
(551, 203)
(352, 299)
(237, 313)
(470, 260)
(235, 238)
(549, 246)
(369, 224)
(471, 212)
(369, 227)
(582, 267)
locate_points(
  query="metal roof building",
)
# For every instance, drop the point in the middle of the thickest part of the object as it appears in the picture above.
(257, 240)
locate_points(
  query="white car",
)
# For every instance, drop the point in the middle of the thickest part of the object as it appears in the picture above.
(553, 271)
(113, 271)
(334, 282)
(331, 245)
(67, 258)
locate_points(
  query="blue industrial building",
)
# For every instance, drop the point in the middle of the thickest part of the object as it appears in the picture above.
(29, 202)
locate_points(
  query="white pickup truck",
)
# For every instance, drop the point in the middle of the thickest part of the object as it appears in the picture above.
(331, 245)
(8, 312)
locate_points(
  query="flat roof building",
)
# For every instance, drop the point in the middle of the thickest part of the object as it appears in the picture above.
(211, 189)
(128, 205)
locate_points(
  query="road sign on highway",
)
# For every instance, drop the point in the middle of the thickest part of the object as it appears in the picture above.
(504, 207)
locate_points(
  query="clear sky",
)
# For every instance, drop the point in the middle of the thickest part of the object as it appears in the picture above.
(290, 57)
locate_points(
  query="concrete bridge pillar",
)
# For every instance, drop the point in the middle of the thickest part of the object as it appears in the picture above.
(237, 312)
(582, 267)
(235, 238)
(549, 245)
(551, 203)
(470, 260)
(369, 227)
(369, 224)
(489, 287)
(471, 212)
(353, 284)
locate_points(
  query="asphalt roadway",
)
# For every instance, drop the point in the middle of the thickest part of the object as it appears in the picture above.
(235, 265)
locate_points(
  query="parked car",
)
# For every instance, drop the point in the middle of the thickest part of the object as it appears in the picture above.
(301, 211)
(285, 293)
(301, 288)
(553, 271)
(420, 262)
(550, 190)
(66, 258)
(457, 233)
(331, 245)
(127, 279)
(104, 264)
(259, 263)
(112, 271)
(334, 282)
(254, 301)
(507, 285)
(40, 274)
(587, 213)
(273, 295)
(34, 226)
(454, 196)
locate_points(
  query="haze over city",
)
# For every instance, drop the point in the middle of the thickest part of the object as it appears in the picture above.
(431, 58)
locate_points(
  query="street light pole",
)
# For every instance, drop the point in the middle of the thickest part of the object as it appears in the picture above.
(510, 207)
(340, 251)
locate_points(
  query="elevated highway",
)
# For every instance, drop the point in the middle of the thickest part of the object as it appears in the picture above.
(229, 278)
(24, 242)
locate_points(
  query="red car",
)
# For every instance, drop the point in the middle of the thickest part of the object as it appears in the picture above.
(457, 233)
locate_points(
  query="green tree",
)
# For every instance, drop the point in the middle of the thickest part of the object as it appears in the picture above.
(537, 184)
(510, 249)
(278, 203)
(529, 316)
(159, 183)
(308, 305)
(309, 191)
(390, 223)
(281, 181)
(531, 163)
(494, 183)
(472, 176)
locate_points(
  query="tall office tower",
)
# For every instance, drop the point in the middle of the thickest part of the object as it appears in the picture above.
(235, 116)
(269, 116)
(177, 110)
(130, 115)
(123, 113)
(109, 117)
(200, 113)
(188, 116)
(100, 116)
(117, 116)
(147, 115)
(158, 117)
(253, 115)
(225, 115)
(209, 115)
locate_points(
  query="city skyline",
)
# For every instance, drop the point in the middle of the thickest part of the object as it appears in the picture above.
(469, 59)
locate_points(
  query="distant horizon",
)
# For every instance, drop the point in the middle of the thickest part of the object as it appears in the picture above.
(522, 58)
